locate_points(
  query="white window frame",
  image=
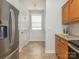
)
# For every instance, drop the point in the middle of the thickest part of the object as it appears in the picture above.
(40, 28)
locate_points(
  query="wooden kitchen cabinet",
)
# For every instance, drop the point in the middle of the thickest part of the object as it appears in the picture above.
(65, 13)
(61, 48)
(70, 12)
(74, 10)
(58, 47)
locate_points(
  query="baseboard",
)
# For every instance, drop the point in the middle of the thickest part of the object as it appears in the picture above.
(36, 40)
(20, 49)
(49, 51)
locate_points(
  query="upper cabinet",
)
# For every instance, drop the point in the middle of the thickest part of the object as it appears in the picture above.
(74, 10)
(70, 12)
(65, 13)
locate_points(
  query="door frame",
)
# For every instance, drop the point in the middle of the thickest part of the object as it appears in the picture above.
(43, 20)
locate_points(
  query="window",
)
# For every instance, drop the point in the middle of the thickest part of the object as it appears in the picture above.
(36, 22)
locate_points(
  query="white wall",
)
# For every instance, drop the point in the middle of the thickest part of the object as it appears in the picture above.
(74, 29)
(23, 28)
(23, 39)
(53, 23)
(14, 3)
(37, 35)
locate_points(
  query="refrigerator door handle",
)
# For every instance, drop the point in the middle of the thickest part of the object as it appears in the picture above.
(13, 26)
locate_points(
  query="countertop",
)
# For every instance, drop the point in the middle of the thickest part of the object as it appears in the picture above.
(68, 38)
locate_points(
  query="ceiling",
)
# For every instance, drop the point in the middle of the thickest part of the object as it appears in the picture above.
(33, 4)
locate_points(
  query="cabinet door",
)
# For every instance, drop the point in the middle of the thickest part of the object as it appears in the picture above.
(64, 53)
(65, 13)
(74, 10)
(61, 48)
(57, 46)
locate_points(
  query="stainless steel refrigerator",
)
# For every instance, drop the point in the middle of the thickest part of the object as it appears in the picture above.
(9, 35)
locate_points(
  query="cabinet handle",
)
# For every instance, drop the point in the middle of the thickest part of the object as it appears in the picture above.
(72, 1)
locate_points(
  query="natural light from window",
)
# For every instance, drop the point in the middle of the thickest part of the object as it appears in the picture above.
(36, 22)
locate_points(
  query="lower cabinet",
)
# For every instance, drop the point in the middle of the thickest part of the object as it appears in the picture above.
(61, 48)
(63, 51)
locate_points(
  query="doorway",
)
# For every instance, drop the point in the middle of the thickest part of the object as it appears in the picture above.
(37, 32)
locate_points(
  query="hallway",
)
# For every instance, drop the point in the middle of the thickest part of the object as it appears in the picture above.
(35, 50)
